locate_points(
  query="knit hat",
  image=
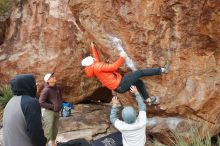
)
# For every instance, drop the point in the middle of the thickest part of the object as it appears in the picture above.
(87, 61)
(129, 114)
(47, 76)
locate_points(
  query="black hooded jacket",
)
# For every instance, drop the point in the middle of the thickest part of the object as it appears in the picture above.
(22, 124)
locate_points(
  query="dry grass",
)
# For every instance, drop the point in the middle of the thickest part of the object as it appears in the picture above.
(195, 138)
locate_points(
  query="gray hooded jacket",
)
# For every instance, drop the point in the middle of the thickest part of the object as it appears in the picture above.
(22, 115)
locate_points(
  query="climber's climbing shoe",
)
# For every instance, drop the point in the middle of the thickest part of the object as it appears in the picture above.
(167, 67)
(153, 100)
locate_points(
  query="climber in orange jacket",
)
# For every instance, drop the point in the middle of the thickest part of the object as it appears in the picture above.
(108, 74)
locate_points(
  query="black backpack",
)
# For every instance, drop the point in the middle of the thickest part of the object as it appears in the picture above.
(114, 139)
(75, 142)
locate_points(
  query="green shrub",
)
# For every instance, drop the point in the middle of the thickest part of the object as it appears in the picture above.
(5, 7)
(5, 95)
(218, 141)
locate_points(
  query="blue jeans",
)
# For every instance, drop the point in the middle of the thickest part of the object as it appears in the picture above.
(133, 78)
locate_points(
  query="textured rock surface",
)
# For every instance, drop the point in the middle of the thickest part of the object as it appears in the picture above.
(84, 122)
(54, 35)
(6, 7)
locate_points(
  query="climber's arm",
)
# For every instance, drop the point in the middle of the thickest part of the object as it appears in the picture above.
(114, 110)
(141, 105)
(113, 66)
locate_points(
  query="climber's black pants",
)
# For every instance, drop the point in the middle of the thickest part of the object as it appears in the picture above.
(133, 78)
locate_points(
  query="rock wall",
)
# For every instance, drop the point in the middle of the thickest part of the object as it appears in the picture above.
(54, 35)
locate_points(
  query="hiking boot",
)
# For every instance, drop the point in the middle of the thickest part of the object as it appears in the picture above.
(153, 100)
(167, 67)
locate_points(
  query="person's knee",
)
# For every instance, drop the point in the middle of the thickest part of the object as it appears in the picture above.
(138, 82)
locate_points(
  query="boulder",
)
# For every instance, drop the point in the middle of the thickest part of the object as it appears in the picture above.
(54, 36)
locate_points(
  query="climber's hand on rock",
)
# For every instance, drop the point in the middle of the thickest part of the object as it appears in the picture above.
(92, 44)
(116, 41)
(123, 54)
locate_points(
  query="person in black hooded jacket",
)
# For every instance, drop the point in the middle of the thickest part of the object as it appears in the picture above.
(22, 115)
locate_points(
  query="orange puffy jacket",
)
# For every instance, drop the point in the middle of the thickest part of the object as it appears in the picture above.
(106, 73)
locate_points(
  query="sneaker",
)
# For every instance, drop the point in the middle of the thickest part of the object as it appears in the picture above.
(167, 67)
(153, 100)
